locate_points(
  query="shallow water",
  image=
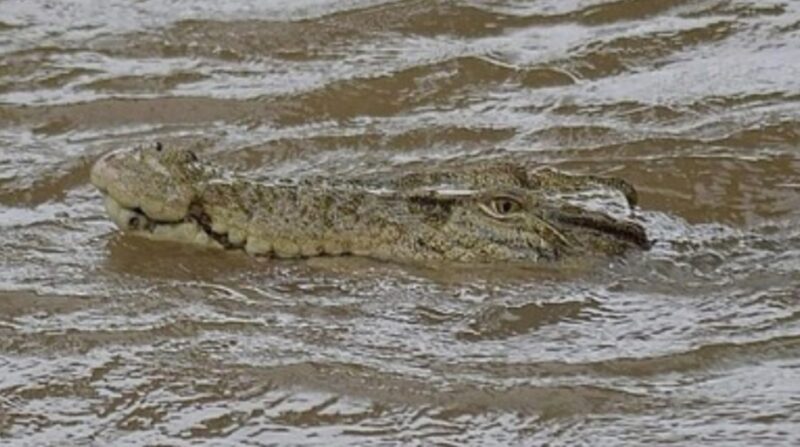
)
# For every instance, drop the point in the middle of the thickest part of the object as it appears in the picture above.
(112, 340)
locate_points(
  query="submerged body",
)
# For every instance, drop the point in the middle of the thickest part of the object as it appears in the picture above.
(501, 213)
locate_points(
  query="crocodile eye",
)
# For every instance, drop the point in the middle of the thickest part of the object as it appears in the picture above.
(502, 207)
(133, 222)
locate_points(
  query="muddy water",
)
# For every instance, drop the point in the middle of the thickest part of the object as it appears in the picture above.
(111, 340)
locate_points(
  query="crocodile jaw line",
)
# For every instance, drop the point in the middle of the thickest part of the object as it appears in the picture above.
(135, 221)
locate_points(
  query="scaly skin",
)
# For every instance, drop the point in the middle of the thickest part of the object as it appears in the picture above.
(506, 215)
(498, 175)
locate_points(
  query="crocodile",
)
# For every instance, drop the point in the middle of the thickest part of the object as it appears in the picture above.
(499, 213)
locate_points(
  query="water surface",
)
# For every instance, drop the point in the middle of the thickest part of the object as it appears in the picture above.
(112, 340)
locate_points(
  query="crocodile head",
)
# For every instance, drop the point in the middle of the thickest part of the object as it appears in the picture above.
(167, 193)
(513, 224)
(158, 181)
(148, 190)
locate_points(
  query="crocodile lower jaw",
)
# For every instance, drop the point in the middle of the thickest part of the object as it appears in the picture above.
(195, 228)
(135, 221)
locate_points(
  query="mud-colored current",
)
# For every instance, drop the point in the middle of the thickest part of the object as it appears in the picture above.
(107, 339)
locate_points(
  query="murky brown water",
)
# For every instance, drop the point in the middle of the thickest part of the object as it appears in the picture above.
(112, 340)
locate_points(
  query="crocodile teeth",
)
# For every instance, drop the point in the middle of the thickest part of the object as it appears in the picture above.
(135, 221)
